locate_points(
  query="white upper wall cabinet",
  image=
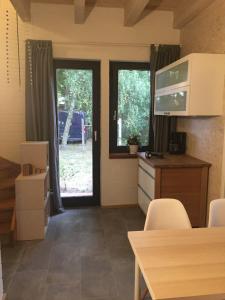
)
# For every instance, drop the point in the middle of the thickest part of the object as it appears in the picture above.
(191, 86)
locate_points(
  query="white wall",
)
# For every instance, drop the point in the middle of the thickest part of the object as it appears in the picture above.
(11, 93)
(206, 34)
(94, 40)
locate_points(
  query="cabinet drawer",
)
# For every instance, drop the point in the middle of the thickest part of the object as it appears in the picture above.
(143, 201)
(147, 168)
(146, 182)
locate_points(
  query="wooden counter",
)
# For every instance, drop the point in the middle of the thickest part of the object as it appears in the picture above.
(172, 161)
(175, 176)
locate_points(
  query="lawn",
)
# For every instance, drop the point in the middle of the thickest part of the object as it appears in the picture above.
(75, 166)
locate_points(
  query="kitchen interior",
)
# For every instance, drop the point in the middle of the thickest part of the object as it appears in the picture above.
(177, 94)
(191, 169)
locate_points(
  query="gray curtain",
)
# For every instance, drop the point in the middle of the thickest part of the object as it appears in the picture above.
(41, 118)
(161, 126)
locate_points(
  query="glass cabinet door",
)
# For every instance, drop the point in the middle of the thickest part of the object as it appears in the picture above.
(173, 102)
(175, 75)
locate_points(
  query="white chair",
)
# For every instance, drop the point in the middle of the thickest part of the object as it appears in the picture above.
(217, 213)
(165, 214)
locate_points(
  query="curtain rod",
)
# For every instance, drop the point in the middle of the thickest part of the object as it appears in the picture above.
(106, 44)
(157, 45)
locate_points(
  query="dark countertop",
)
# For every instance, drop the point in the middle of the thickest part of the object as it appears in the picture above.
(171, 161)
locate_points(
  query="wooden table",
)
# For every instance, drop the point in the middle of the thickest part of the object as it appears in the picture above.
(180, 264)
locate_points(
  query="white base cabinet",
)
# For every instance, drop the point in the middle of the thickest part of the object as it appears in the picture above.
(143, 200)
(175, 176)
(146, 185)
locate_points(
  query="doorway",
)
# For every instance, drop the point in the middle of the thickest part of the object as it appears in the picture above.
(77, 85)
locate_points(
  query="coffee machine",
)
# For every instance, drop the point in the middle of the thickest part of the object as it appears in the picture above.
(177, 143)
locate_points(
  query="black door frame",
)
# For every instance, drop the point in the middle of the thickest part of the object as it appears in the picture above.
(95, 66)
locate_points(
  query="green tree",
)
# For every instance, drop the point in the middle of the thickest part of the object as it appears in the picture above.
(75, 88)
(134, 103)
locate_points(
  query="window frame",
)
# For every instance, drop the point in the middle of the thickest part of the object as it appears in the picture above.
(114, 67)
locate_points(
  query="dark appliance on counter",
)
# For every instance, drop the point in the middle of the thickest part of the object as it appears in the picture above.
(177, 143)
(149, 154)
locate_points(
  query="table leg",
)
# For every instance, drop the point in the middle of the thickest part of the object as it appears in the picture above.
(137, 287)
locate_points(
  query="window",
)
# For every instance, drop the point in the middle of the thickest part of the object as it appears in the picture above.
(129, 104)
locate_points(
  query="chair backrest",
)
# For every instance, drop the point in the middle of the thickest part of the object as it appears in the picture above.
(217, 213)
(166, 214)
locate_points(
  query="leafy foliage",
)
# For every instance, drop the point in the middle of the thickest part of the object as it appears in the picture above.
(76, 86)
(134, 104)
(74, 90)
(133, 140)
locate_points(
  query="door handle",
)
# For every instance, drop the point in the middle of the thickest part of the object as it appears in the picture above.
(114, 115)
(95, 135)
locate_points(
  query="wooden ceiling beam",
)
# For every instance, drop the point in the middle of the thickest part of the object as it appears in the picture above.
(22, 8)
(186, 11)
(82, 10)
(79, 11)
(133, 11)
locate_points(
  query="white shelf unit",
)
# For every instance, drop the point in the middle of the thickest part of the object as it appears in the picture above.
(35, 153)
(32, 194)
(191, 86)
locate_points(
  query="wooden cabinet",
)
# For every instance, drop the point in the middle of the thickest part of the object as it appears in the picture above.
(176, 176)
(191, 86)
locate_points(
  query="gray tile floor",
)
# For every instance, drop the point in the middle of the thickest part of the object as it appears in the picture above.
(86, 256)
